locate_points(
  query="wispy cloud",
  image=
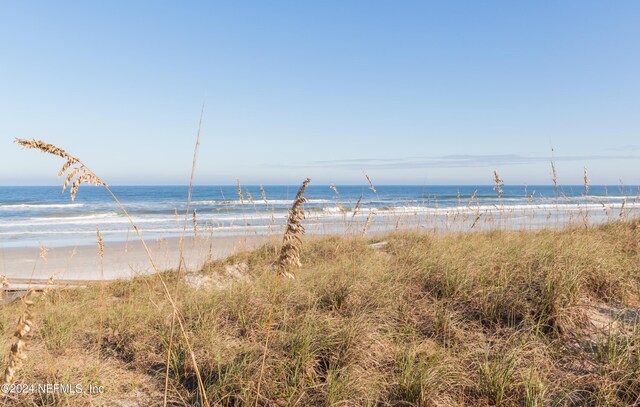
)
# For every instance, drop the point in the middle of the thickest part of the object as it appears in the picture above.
(452, 161)
(627, 148)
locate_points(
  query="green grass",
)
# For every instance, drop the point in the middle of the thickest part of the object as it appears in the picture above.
(496, 318)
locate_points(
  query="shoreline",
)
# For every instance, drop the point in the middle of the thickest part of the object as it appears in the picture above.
(43, 216)
(442, 219)
(127, 259)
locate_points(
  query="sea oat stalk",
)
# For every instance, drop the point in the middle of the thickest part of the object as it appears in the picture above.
(21, 336)
(240, 195)
(250, 198)
(4, 282)
(89, 177)
(101, 255)
(264, 196)
(292, 242)
(554, 178)
(367, 223)
(586, 182)
(356, 208)
(473, 196)
(289, 256)
(371, 187)
(195, 225)
(499, 184)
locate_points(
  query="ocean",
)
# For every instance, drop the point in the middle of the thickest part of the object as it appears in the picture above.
(32, 216)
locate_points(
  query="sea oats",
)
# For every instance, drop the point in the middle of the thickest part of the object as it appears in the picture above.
(240, 195)
(195, 224)
(499, 184)
(87, 176)
(250, 198)
(264, 195)
(292, 242)
(367, 223)
(70, 177)
(371, 187)
(356, 208)
(66, 166)
(554, 176)
(586, 182)
(81, 171)
(4, 282)
(43, 253)
(475, 221)
(473, 196)
(45, 148)
(288, 258)
(21, 336)
(100, 244)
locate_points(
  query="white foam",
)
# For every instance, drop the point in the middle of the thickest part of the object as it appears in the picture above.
(334, 210)
(39, 206)
(603, 198)
(258, 201)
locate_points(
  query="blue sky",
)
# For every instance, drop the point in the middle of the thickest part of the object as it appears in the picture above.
(411, 92)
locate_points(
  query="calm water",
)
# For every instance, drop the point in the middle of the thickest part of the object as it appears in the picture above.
(43, 215)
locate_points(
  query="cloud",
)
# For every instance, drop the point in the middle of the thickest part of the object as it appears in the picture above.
(451, 161)
(627, 148)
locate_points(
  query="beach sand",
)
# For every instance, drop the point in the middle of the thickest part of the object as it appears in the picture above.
(79, 265)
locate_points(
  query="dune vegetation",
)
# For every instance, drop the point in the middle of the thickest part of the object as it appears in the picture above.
(489, 318)
(484, 317)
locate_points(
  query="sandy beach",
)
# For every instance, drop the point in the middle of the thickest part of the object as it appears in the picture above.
(80, 263)
(72, 265)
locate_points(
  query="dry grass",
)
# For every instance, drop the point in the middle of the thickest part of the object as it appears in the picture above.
(489, 318)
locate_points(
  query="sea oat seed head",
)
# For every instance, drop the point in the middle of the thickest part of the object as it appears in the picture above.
(100, 244)
(371, 187)
(292, 242)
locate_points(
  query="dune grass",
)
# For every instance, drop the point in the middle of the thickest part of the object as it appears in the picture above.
(486, 318)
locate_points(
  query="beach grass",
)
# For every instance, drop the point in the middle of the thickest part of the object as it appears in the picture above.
(526, 318)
